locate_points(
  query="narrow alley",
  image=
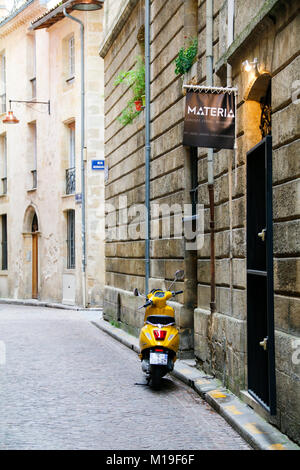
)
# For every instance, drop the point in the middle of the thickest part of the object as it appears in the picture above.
(65, 384)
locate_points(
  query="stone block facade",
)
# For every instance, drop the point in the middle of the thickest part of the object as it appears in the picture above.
(218, 340)
(49, 198)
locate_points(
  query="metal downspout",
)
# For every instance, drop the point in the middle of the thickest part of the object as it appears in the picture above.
(210, 171)
(230, 35)
(83, 230)
(147, 144)
(209, 82)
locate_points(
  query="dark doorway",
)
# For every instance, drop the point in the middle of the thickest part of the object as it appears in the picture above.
(35, 235)
(260, 291)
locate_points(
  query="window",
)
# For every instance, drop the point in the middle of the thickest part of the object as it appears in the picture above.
(71, 57)
(31, 64)
(71, 239)
(32, 148)
(68, 60)
(33, 78)
(72, 144)
(33, 87)
(70, 172)
(3, 163)
(2, 83)
(4, 242)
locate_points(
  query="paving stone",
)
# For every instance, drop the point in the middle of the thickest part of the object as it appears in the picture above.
(68, 385)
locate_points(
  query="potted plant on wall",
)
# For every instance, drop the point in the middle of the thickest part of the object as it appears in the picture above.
(135, 79)
(187, 56)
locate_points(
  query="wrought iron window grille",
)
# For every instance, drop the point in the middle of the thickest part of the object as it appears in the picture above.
(70, 181)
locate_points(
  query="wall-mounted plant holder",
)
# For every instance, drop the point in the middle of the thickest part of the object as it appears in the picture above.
(135, 79)
(138, 105)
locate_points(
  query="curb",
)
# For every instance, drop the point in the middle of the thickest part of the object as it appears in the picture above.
(39, 303)
(257, 432)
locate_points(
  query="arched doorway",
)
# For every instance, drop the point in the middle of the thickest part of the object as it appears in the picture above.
(260, 290)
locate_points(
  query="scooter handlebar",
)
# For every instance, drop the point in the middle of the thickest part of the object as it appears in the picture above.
(178, 292)
(147, 304)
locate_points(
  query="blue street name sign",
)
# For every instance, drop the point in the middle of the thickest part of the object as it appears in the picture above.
(78, 198)
(98, 165)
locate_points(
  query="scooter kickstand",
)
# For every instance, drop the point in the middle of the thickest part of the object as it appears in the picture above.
(148, 382)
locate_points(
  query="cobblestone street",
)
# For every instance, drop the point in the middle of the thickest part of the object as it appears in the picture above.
(68, 385)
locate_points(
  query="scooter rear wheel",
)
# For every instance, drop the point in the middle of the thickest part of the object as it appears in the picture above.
(156, 376)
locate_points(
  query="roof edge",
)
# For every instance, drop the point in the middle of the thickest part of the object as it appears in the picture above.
(38, 23)
(117, 26)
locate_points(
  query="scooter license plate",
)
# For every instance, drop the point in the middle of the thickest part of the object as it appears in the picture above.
(159, 358)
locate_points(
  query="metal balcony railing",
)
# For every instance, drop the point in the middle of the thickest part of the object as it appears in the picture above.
(70, 181)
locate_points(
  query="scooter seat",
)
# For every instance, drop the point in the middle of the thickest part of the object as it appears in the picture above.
(160, 320)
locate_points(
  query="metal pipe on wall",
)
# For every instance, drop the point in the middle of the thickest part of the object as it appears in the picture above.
(210, 162)
(147, 144)
(230, 35)
(83, 230)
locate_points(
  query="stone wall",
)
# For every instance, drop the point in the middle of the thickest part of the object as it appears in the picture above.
(219, 340)
(125, 156)
(223, 348)
(286, 214)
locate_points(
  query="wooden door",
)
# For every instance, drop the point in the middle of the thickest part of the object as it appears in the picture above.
(34, 265)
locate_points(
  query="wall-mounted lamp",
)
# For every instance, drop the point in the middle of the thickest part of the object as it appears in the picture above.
(87, 5)
(10, 118)
(249, 66)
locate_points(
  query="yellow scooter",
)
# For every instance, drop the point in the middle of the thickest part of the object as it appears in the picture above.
(159, 337)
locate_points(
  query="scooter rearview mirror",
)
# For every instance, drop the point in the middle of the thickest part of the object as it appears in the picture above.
(136, 292)
(179, 275)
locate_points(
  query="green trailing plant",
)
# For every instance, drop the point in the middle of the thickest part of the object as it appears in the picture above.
(186, 57)
(135, 79)
(115, 323)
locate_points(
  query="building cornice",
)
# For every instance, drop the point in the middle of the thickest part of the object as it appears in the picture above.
(25, 14)
(117, 26)
(255, 26)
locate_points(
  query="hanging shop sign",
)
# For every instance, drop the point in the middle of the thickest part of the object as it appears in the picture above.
(210, 117)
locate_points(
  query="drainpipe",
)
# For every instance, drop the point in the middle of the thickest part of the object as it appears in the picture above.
(83, 231)
(230, 26)
(230, 23)
(209, 82)
(147, 144)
